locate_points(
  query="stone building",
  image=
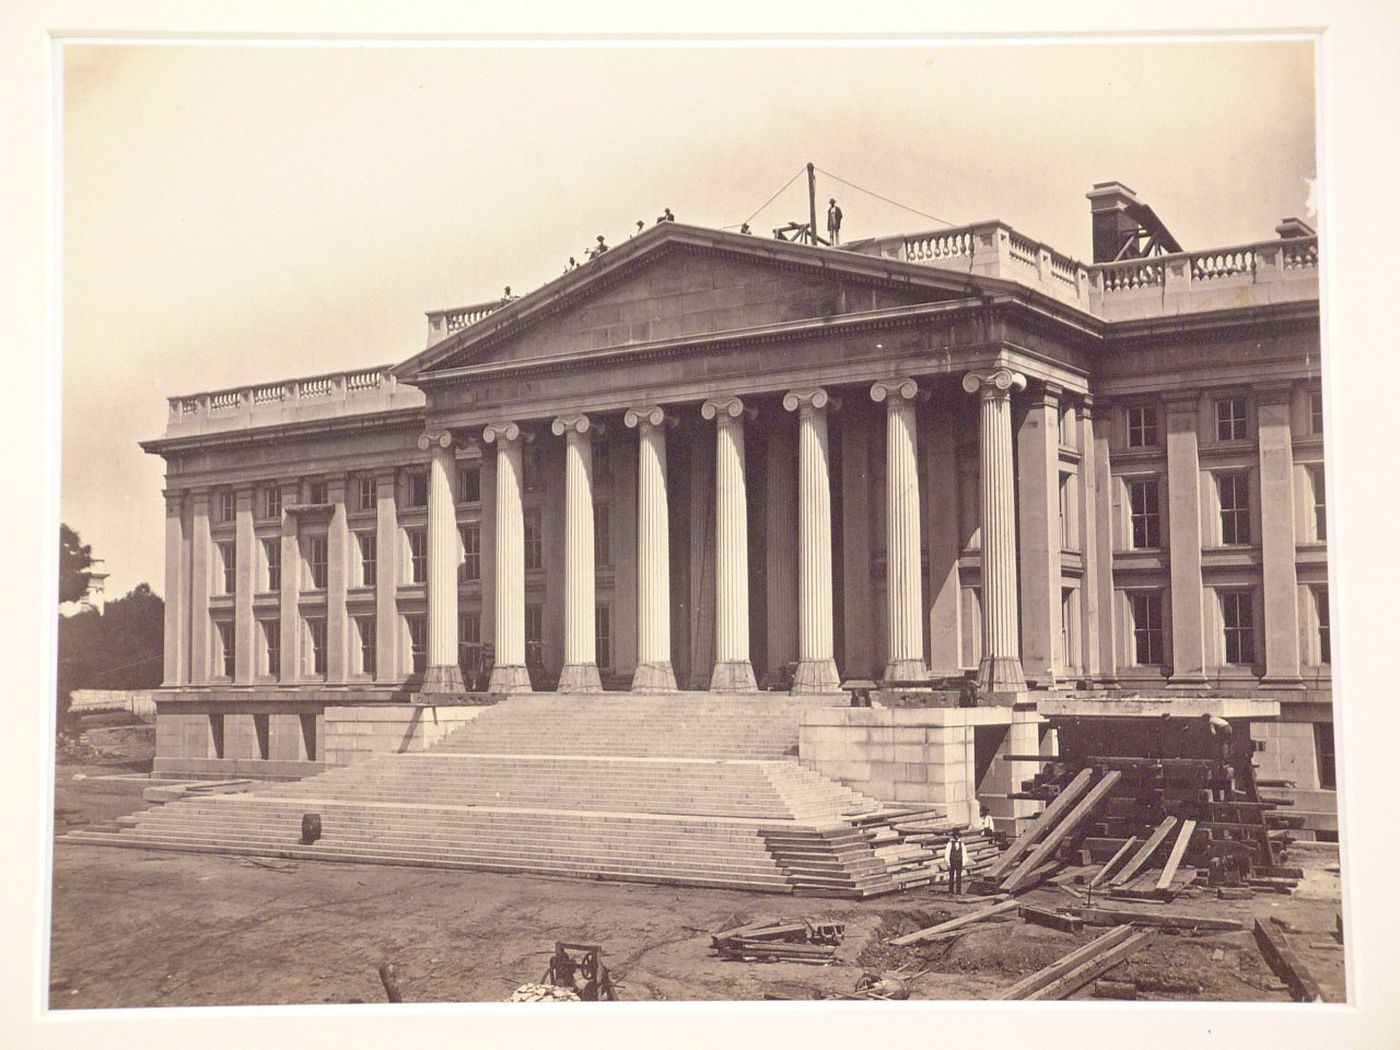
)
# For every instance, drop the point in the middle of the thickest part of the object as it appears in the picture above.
(710, 461)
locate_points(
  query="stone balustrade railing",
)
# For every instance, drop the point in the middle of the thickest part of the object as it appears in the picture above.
(365, 390)
(442, 323)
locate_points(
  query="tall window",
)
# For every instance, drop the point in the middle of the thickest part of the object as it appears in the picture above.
(1142, 426)
(368, 493)
(316, 634)
(1319, 486)
(1234, 508)
(228, 506)
(369, 552)
(226, 649)
(418, 642)
(1230, 420)
(602, 636)
(471, 552)
(368, 640)
(316, 561)
(602, 534)
(272, 502)
(1145, 514)
(272, 646)
(469, 483)
(1237, 610)
(534, 634)
(228, 557)
(469, 641)
(1068, 634)
(602, 465)
(316, 491)
(1324, 625)
(417, 489)
(418, 555)
(1147, 627)
(534, 546)
(1316, 411)
(272, 554)
(530, 468)
(1326, 755)
(1067, 538)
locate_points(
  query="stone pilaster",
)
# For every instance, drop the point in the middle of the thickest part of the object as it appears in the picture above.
(1000, 671)
(816, 667)
(1282, 657)
(289, 612)
(509, 675)
(945, 626)
(201, 571)
(443, 675)
(1184, 535)
(903, 560)
(580, 671)
(733, 672)
(177, 583)
(338, 554)
(1101, 553)
(1038, 532)
(244, 583)
(780, 549)
(386, 577)
(654, 673)
(1091, 612)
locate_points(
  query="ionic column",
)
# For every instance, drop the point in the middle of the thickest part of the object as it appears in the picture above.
(1000, 671)
(904, 591)
(654, 673)
(200, 572)
(177, 585)
(733, 673)
(444, 674)
(580, 672)
(816, 666)
(509, 674)
(386, 576)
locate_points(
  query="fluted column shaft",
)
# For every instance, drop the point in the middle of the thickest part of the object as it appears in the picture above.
(509, 674)
(904, 592)
(654, 672)
(1000, 669)
(444, 674)
(816, 667)
(733, 672)
(580, 672)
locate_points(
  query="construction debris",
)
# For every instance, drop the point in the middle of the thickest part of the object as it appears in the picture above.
(773, 940)
(1273, 946)
(579, 968)
(1072, 972)
(1117, 916)
(951, 925)
(389, 976)
(542, 993)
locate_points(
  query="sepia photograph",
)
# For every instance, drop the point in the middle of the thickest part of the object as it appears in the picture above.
(777, 521)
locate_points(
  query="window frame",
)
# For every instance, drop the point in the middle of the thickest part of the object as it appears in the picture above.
(272, 562)
(417, 641)
(1143, 432)
(1148, 630)
(1230, 426)
(417, 559)
(533, 539)
(367, 628)
(272, 503)
(1232, 603)
(367, 544)
(316, 633)
(272, 646)
(367, 493)
(1236, 524)
(228, 566)
(470, 569)
(317, 545)
(464, 491)
(1149, 515)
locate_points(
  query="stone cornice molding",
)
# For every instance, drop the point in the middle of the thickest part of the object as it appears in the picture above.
(894, 390)
(1275, 393)
(727, 411)
(648, 416)
(998, 382)
(810, 399)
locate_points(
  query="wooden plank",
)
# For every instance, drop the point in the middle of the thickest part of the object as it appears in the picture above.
(1112, 862)
(1051, 842)
(1027, 986)
(1183, 840)
(1053, 920)
(1148, 848)
(1119, 916)
(958, 923)
(1043, 823)
(1079, 977)
(1273, 946)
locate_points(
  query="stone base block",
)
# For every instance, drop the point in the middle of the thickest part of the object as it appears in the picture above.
(733, 676)
(654, 678)
(509, 678)
(443, 680)
(579, 678)
(905, 671)
(1000, 674)
(816, 676)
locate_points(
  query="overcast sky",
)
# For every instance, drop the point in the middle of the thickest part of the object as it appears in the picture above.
(238, 215)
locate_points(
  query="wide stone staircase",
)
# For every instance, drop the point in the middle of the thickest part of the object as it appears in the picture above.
(690, 789)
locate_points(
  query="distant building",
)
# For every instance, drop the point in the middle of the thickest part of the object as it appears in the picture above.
(707, 460)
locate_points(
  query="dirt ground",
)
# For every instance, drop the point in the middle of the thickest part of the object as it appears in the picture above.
(153, 928)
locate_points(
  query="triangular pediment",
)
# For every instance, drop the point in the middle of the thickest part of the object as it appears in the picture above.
(678, 283)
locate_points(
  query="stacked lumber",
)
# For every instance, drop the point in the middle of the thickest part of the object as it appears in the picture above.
(778, 940)
(1068, 974)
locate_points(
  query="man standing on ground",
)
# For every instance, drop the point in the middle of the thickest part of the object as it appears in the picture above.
(955, 858)
(833, 222)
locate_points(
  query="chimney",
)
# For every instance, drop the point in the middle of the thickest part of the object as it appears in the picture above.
(1294, 228)
(1110, 204)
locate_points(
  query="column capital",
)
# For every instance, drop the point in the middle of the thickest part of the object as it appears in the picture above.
(385, 474)
(439, 438)
(175, 498)
(1278, 393)
(200, 495)
(648, 416)
(994, 382)
(894, 390)
(506, 432)
(727, 410)
(577, 423)
(809, 398)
